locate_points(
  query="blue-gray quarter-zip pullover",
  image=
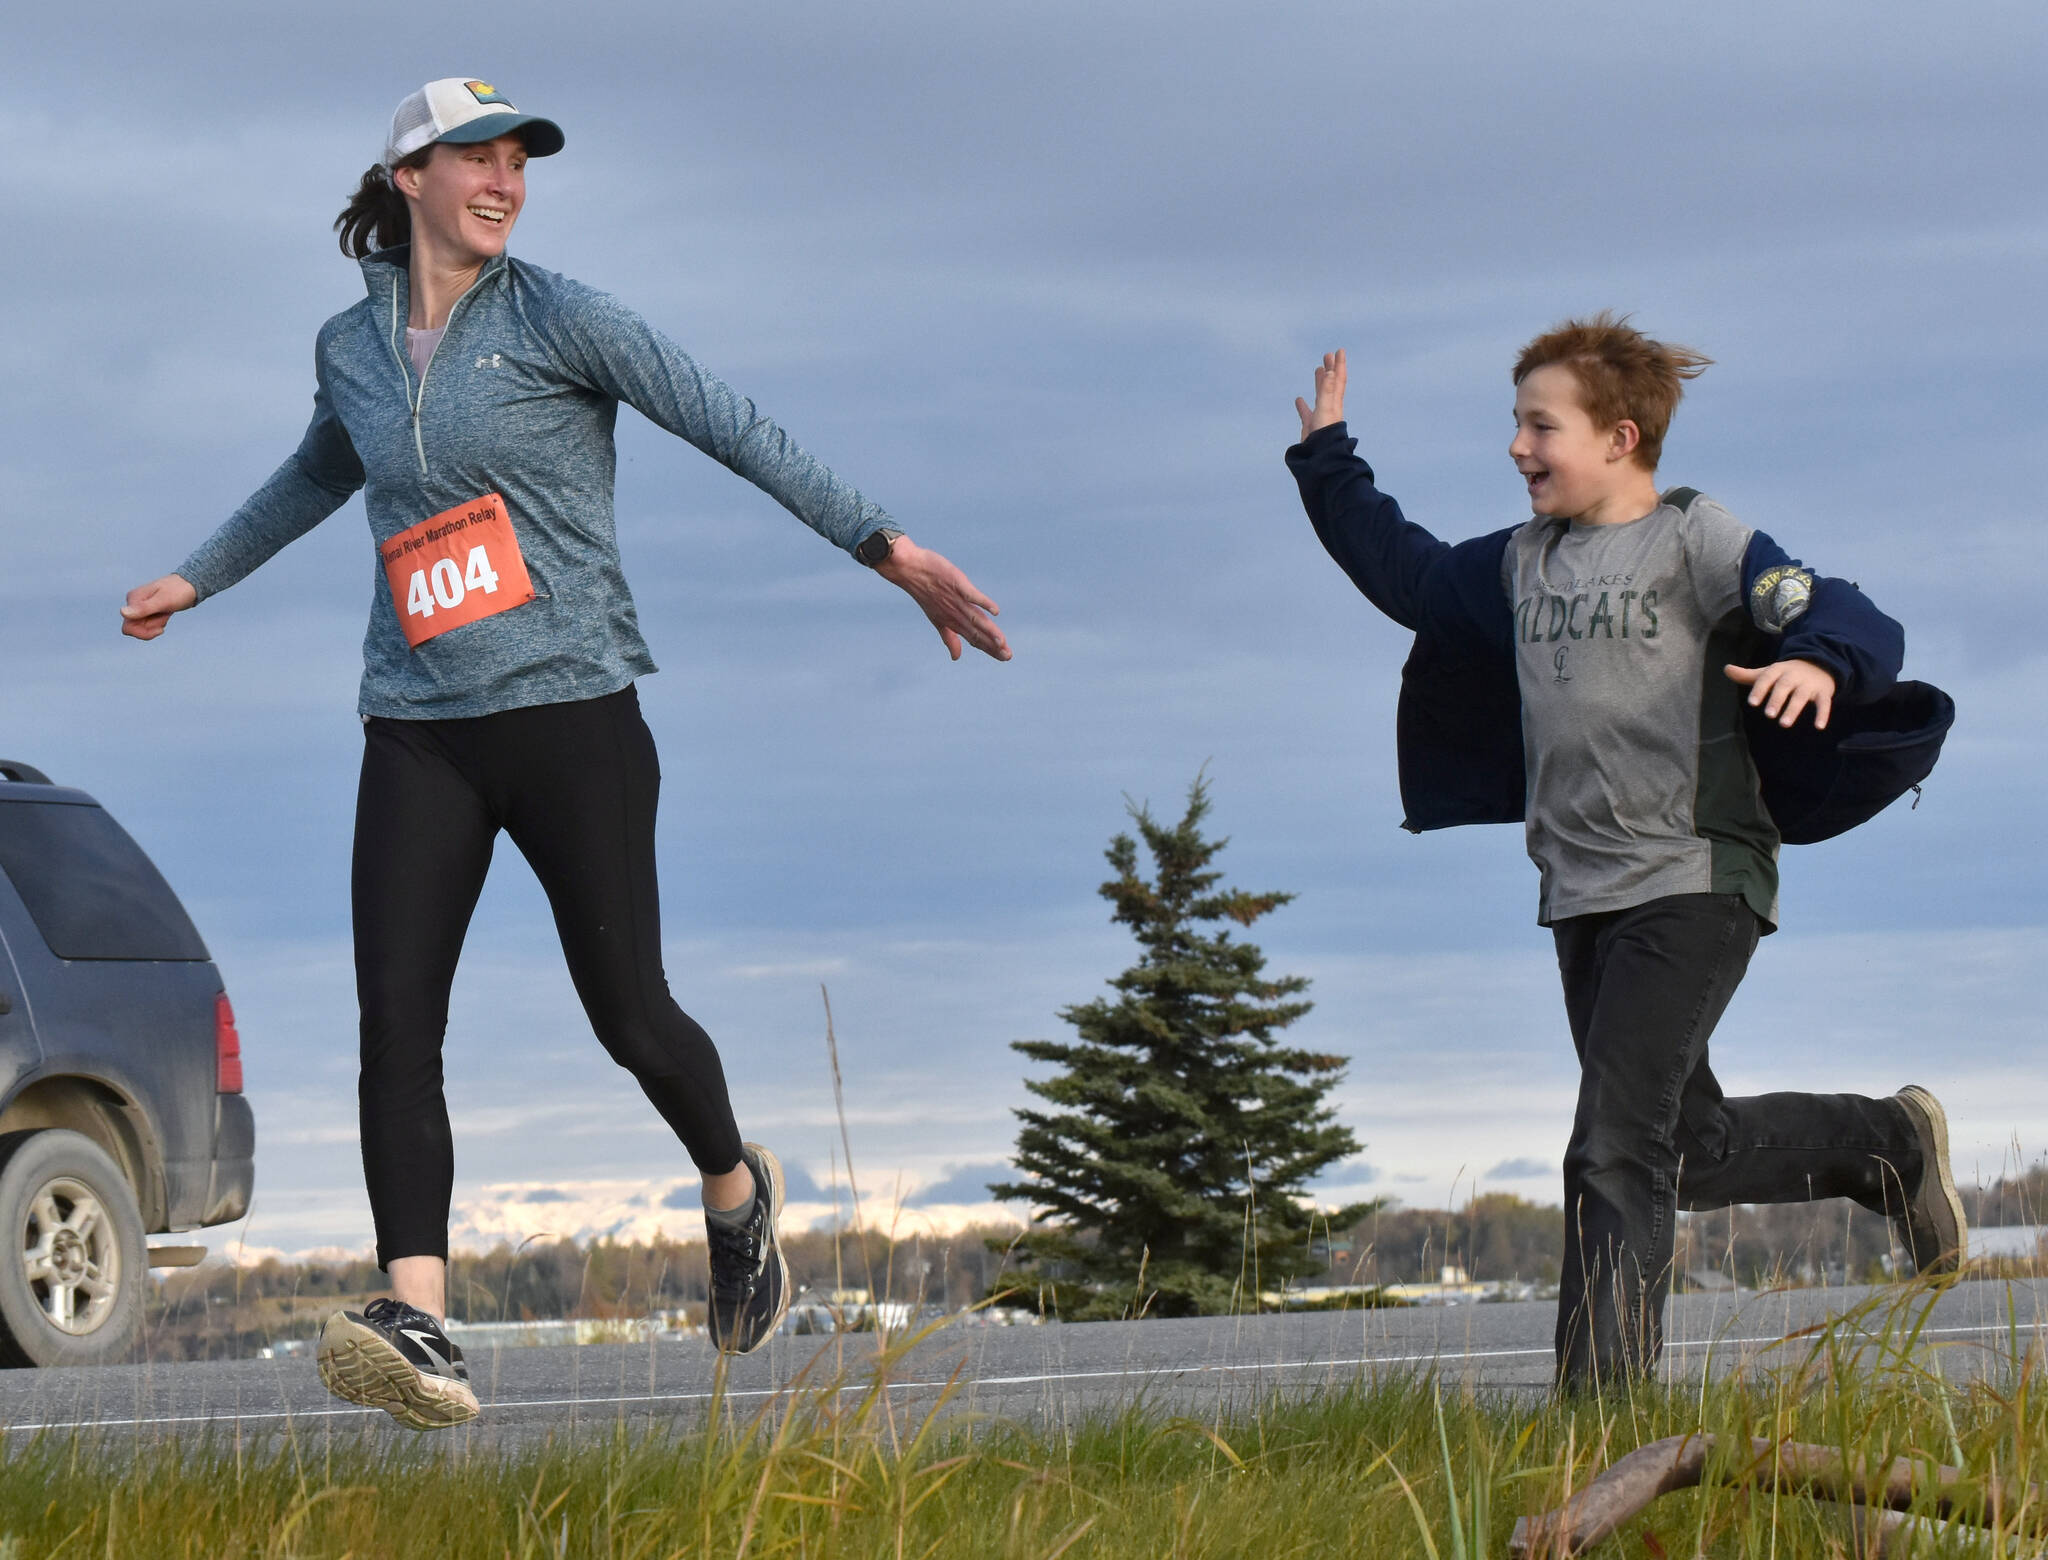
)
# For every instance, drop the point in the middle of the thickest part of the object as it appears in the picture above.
(520, 399)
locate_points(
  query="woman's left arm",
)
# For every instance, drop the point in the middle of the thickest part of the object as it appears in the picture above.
(609, 347)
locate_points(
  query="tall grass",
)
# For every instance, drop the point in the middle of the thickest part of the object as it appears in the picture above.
(1404, 1465)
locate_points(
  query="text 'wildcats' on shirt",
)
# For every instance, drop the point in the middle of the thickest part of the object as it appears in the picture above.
(1613, 614)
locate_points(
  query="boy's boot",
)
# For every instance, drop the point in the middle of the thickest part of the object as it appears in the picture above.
(749, 1279)
(394, 1356)
(1931, 1227)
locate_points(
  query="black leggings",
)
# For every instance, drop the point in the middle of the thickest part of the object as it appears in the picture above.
(575, 786)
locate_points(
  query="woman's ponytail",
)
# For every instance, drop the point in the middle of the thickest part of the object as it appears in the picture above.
(376, 216)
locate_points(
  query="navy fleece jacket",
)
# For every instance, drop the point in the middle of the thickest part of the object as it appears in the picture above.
(1458, 725)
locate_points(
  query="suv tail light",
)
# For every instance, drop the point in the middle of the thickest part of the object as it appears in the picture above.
(227, 1046)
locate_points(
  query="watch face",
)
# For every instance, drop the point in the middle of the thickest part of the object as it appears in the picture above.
(875, 548)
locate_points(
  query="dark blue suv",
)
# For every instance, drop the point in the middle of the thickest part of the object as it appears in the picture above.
(121, 1108)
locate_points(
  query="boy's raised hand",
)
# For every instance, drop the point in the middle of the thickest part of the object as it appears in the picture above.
(1784, 688)
(1329, 407)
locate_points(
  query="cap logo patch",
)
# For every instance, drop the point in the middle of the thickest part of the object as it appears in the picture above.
(484, 92)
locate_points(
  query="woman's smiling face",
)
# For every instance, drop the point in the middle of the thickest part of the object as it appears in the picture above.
(466, 198)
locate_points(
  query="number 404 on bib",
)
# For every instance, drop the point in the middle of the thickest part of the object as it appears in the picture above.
(454, 568)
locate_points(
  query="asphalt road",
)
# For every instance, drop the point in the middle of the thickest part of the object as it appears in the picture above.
(1048, 1375)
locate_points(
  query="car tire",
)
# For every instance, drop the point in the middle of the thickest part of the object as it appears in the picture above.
(73, 1262)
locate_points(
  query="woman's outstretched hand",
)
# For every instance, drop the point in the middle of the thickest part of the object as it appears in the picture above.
(149, 607)
(1329, 407)
(947, 596)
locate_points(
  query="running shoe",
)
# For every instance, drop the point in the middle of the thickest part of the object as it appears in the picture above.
(749, 1279)
(1932, 1225)
(394, 1356)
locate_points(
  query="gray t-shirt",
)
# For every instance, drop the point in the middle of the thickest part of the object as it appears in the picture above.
(1640, 779)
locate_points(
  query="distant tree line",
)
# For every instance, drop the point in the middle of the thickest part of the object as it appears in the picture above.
(223, 1312)
(1498, 1236)
(2021, 1199)
(1494, 1236)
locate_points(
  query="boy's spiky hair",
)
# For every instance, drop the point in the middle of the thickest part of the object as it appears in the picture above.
(1622, 374)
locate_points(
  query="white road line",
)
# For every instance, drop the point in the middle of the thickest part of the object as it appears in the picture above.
(1172, 1372)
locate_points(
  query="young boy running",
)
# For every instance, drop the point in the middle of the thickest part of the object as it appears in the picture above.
(1587, 672)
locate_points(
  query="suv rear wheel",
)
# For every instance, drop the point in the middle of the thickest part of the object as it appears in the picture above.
(72, 1257)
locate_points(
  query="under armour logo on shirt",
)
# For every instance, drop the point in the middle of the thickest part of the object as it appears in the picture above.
(493, 361)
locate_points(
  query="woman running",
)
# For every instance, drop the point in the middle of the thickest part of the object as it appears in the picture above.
(472, 397)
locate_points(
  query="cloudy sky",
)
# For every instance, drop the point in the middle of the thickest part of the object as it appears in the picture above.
(1044, 279)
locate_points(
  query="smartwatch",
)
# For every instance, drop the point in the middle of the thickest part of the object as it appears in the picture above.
(875, 548)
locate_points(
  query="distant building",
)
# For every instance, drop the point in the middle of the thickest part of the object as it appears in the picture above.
(1453, 1286)
(845, 1310)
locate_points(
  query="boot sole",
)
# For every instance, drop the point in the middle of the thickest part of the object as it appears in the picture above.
(1929, 1109)
(358, 1365)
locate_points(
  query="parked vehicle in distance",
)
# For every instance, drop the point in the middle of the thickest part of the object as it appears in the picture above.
(121, 1108)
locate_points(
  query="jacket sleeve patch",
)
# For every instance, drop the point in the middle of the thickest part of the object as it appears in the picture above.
(1780, 596)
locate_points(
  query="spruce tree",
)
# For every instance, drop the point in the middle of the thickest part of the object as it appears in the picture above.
(1169, 1176)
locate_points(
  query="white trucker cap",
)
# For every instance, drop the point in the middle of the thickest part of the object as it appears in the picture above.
(463, 112)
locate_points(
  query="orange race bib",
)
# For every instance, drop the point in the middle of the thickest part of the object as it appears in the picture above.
(455, 567)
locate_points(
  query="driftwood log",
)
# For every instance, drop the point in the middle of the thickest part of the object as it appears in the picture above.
(1680, 1462)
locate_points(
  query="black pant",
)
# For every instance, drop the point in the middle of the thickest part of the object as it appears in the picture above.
(575, 785)
(1643, 988)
